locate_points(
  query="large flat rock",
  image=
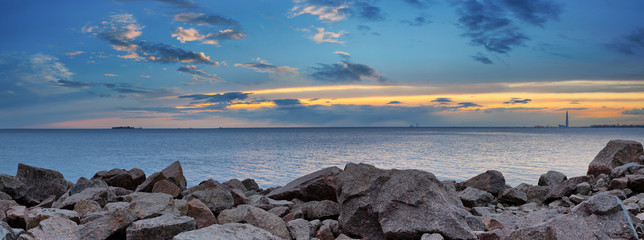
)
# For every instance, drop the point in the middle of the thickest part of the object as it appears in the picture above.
(615, 154)
(317, 186)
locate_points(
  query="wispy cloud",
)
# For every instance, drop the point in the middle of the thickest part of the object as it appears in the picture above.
(334, 11)
(346, 71)
(482, 58)
(442, 100)
(629, 44)
(327, 37)
(73, 53)
(417, 21)
(634, 111)
(517, 101)
(202, 19)
(217, 98)
(199, 77)
(277, 72)
(394, 102)
(110, 75)
(186, 4)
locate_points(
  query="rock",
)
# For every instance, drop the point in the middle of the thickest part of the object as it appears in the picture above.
(618, 183)
(12, 186)
(300, 229)
(35, 215)
(250, 185)
(317, 186)
(618, 193)
(324, 233)
(432, 236)
(577, 199)
(566, 188)
(53, 228)
(256, 217)
(513, 197)
(201, 213)
(83, 207)
(16, 216)
(165, 186)
(235, 184)
(472, 197)
(227, 231)
(101, 195)
(376, 203)
(112, 222)
(529, 207)
(345, 237)
(583, 188)
(551, 179)
(208, 185)
(162, 227)
(616, 153)
(599, 217)
(6, 232)
(483, 211)
(535, 194)
(629, 168)
(239, 197)
(172, 173)
(84, 183)
(332, 224)
(491, 181)
(47, 202)
(4, 196)
(279, 211)
(217, 200)
(122, 178)
(635, 182)
(320, 209)
(149, 205)
(41, 183)
(492, 224)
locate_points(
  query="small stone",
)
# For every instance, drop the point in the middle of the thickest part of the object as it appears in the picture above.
(432, 236)
(492, 224)
(300, 229)
(583, 188)
(577, 199)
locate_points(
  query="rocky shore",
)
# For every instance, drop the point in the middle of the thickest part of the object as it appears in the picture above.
(357, 202)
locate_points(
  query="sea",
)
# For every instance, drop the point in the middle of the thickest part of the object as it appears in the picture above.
(276, 156)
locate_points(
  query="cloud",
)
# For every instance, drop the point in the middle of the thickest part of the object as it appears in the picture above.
(73, 53)
(191, 34)
(482, 58)
(202, 19)
(369, 12)
(518, 101)
(73, 84)
(442, 100)
(535, 12)
(394, 102)
(629, 44)
(121, 32)
(363, 28)
(571, 109)
(33, 75)
(262, 65)
(145, 92)
(342, 54)
(346, 71)
(110, 75)
(199, 77)
(417, 21)
(287, 102)
(329, 37)
(187, 4)
(218, 98)
(334, 11)
(634, 111)
(490, 110)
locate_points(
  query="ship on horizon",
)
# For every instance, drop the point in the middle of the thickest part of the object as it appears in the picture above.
(126, 127)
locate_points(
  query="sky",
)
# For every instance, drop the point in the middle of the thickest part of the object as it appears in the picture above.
(320, 63)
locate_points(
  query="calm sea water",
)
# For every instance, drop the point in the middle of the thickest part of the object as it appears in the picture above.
(276, 156)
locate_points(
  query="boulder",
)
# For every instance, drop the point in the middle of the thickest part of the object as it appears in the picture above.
(636, 182)
(300, 229)
(162, 227)
(629, 168)
(317, 186)
(599, 217)
(239, 197)
(227, 231)
(172, 173)
(217, 200)
(12, 186)
(101, 195)
(551, 179)
(398, 204)
(616, 153)
(279, 211)
(84, 183)
(4, 196)
(149, 205)
(472, 197)
(235, 184)
(319, 209)
(201, 213)
(165, 186)
(535, 194)
(205, 185)
(6, 232)
(101, 225)
(41, 183)
(53, 228)
(122, 178)
(83, 207)
(35, 215)
(491, 181)
(583, 188)
(345, 237)
(513, 197)
(250, 185)
(324, 233)
(566, 188)
(432, 236)
(16, 216)
(618, 183)
(256, 217)
(332, 224)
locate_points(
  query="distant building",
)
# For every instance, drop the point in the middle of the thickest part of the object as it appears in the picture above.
(565, 126)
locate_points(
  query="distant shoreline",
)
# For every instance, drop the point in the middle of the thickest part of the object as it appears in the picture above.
(214, 128)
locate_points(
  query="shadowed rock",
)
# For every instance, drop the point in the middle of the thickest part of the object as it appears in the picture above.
(101, 195)
(472, 197)
(235, 184)
(398, 204)
(513, 197)
(256, 217)
(615, 154)
(250, 185)
(165, 186)
(491, 181)
(535, 194)
(227, 231)
(41, 183)
(35, 215)
(12, 186)
(162, 227)
(122, 178)
(217, 200)
(566, 188)
(6, 233)
(317, 186)
(551, 178)
(172, 173)
(101, 225)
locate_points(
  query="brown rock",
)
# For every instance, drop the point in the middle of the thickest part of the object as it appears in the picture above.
(317, 186)
(235, 184)
(201, 213)
(239, 197)
(491, 181)
(16, 216)
(513, 197)
(552, 178)
(636, 182)
(172, 173)
(53, 228)
(616, 153)
(12, 186)
(566, 188)
(109, 223)
(256, 217)
(41, 183)
(618, 183)
(165, 186)
(83, 207)
(324, 233)
(36, 215)
(122, 178)
(492, 224)
(162, 227)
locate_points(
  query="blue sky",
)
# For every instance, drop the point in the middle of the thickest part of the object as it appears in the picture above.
(180, 63)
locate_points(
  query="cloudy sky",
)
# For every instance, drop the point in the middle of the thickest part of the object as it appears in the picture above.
(273, 63)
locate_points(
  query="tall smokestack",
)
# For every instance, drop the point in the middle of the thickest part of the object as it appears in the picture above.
(566, 118)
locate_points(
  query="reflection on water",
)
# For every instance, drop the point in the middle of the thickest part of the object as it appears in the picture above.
(277, 156)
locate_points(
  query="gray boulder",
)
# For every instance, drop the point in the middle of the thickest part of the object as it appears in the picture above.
(6, 232)
(228, 231)
(53, 228)
(300, 229)
(84, 183)
(551, 178)
(513, 197)
(41, 183)
(122, 178)
(319, 209)
(398, 204)
(34, 216)
(172, 173)
(101, 225)
(149, 205)
(472, 197)
(256, 217)
(250, 185)
(491, 181)
(217, 199)
(615, 154)
(12, 186)
(101, 195)
(535, 194)
(566, 188)
(162, 227)
(317, 186)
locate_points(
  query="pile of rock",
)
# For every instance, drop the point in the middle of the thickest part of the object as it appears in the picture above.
(359, 202)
